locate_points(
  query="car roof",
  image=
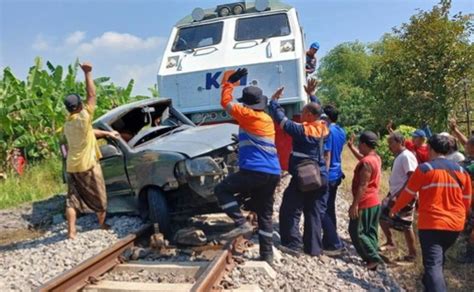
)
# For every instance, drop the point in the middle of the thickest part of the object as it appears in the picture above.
(120, 111)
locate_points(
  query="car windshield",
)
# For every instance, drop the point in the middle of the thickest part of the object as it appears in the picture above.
(147, 122)
(199, 36)
(262, 27)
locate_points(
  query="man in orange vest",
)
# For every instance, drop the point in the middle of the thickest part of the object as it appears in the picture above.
(308, 141)
(259, 168)
(444, 197)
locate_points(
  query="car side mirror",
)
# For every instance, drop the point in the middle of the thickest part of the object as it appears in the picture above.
(109, 151)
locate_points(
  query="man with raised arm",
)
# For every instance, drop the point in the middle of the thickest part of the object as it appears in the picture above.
(86, 188)
(365, 208)
(308, 141)
(259, 168)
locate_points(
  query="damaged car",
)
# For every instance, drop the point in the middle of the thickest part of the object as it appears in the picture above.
(163, 165)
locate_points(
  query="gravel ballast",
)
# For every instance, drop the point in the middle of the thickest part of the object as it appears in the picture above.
(305, 273)
(27, 265)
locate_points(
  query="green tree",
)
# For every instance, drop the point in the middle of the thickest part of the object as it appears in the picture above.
(345, 73)
(419, 68)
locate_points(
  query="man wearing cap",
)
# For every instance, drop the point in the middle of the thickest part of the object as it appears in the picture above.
(86, 189)
(311, 58)
(308, 139)
(365, 208)
(417, 144)
(259, 168)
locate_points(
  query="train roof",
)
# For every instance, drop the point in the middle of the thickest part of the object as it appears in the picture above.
(211, 13)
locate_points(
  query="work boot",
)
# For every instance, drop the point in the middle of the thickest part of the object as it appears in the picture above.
(296, 252)
(267, 258)
(243, 229)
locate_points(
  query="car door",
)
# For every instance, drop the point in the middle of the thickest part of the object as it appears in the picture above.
(119, 192)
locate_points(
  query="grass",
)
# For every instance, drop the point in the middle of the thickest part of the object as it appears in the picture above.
(459, 277)
(39, 181)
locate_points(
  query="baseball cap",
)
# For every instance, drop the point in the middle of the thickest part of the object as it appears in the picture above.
(252, 96)
(419, 133)
(72, 102)
(369, 138)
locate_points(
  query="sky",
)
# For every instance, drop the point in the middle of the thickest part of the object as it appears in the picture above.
(125, 39)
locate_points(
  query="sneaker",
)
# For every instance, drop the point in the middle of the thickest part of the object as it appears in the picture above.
(291, 251)
(243, 229)
(333, 252)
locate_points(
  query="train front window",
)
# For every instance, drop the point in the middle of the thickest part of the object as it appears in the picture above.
(193, 37)
(262, 27)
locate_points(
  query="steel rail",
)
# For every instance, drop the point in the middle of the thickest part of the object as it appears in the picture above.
(89, 271)
(81, 275)
(222, 264)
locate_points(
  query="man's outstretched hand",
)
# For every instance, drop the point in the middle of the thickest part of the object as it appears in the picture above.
(86, 67)
(278, 93)
(310, 87)
(237, 75)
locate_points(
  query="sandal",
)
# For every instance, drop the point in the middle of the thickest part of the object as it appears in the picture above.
(388, 247)
(372, 266)
(406, 260)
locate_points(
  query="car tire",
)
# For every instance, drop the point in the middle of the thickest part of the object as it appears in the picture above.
(158, 210)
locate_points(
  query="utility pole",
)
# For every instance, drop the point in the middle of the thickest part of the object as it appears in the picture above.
(467, 108)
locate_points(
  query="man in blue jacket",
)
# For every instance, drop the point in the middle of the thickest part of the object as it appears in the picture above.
(333, 152)
(307, 139)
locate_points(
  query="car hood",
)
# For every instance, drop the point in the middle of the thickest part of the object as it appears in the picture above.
(196, 141)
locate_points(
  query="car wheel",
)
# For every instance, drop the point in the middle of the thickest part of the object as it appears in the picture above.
(158, 210)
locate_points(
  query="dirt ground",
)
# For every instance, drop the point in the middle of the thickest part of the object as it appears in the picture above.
(459, 277)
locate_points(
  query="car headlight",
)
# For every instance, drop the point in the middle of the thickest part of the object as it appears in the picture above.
(287, 46)
(201, 166)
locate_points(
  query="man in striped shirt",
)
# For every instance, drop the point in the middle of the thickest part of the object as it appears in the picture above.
(444, 196)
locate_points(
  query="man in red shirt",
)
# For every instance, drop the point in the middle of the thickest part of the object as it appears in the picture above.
(417, 144)
(444, 197)
(365, 209)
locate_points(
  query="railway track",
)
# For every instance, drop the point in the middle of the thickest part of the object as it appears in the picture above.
(91, 275)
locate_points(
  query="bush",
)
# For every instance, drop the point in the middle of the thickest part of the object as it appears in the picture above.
(32, 112)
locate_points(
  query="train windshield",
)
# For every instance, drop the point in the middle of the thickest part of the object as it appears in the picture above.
(193, 37)
(262, 27)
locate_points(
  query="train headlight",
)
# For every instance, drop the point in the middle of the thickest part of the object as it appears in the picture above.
(224, 11)
(172, 62)
(287, 46)
(197, 14)
(237, 9)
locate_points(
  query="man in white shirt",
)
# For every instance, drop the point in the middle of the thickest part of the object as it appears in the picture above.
(404, 165)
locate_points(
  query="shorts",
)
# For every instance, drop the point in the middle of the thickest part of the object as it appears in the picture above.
(403, 220)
